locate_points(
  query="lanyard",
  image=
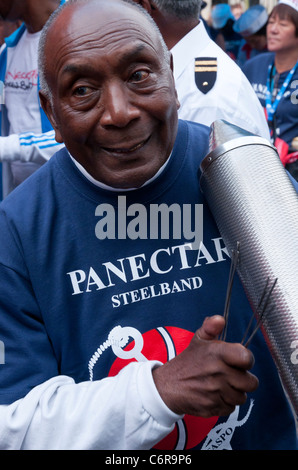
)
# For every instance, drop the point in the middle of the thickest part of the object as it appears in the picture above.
(271, 107)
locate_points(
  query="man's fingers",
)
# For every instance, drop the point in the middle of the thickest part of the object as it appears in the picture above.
(209, 375)
(211, 328)
(236, 355)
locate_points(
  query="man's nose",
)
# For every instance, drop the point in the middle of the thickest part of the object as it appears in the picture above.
(118, 109)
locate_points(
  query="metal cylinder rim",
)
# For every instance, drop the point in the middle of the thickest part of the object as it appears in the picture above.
(231, 145)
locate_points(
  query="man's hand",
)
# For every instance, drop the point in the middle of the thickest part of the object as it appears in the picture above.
(210, 377)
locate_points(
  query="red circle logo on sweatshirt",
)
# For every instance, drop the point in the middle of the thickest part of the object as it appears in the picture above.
(162, 344)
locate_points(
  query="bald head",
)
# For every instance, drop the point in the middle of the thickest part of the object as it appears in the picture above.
(108, 89)
(69, 17)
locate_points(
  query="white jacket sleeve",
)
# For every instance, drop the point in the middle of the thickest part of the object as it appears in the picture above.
(123, 412)
(28, 147)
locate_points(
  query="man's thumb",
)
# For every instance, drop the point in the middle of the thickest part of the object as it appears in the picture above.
(211, 328)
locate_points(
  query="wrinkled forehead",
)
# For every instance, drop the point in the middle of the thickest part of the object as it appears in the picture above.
(83, 28)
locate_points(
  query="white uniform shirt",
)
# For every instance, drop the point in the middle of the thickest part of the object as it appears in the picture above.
(231, 98)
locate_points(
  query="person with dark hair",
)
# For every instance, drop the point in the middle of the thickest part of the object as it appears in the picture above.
(109, 315)
(274, 77)
(252, 26)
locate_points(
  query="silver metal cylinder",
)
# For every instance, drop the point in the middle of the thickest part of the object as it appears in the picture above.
(255, 204)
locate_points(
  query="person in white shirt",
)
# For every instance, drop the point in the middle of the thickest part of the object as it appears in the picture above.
(27, 138)
(209, 84)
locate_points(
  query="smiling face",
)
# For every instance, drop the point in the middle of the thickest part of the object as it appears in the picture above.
(114, 102)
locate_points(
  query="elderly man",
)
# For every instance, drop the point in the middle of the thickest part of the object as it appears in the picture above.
(103, 304)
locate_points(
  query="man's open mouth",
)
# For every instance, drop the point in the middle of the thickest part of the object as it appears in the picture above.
(126, 149)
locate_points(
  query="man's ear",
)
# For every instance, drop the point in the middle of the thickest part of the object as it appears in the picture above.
(146, 4)
(48, 109)
(172, 68)
(171, 62)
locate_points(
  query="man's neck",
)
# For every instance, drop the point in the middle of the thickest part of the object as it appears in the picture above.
(173, 34)
(37, 14)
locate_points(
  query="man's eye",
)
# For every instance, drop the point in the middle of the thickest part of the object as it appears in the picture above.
(81, 91)
(139, 75)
